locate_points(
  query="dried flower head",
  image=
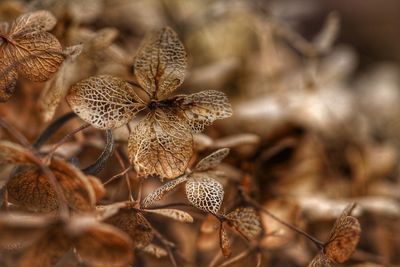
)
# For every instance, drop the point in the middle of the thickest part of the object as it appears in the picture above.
(26, 47)
(161, 143)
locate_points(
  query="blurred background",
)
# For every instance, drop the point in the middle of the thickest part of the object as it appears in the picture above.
(315, 87)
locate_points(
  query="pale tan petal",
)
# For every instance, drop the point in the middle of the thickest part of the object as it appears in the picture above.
(212, 160)
(161, 144)
(246, 221)
(160, 63)
(104, 101)
(41, 20)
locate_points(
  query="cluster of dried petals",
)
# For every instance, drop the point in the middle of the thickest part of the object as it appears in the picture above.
(27, 48)
(161, 143)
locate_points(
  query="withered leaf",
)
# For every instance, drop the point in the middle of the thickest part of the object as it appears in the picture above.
(104, 101)
(246, 221)
(203, 108)
(161, 191)
(175, 214)
(212, 160)
(225, 242)
(160, 144)
(344, 237)
(102, 245)
(28, 48)
(205, 193)
(135, 225)
(160, 63)
(32, 190)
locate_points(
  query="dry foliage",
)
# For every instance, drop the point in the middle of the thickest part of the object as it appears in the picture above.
(111, 155)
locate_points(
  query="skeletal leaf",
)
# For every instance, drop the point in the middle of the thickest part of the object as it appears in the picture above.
(161, 144)
(320, 261)
(102, 245)
(11, 153)
(18, 230)
(224, 242)
(55, 243)
(205, 193)
(155, 250)
(175, 214)
(32, 190)
(203, 108)
(104, 101)
(212, 160)
(56, 88)
(28, 48)
(246, 221)
(160, 63)
(135, 225)
(344, 237)
(160, 192)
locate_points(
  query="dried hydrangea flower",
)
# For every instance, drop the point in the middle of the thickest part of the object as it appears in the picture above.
(26, 47)
(162, 142)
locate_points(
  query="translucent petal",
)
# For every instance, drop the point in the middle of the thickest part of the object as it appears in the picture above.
(8, 79)
(104, 101)
(212, 160)
(160, 63)
(225, 242)
(161, 191)
(161, 144)
(203, 108)
(175, 214)
(246, 221)
(41, 20)
(205, 193)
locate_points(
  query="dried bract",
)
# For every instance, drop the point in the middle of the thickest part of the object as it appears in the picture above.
(246, 221)
(205, 193)
(26, 47)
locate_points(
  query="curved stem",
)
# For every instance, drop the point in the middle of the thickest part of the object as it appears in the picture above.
(52, 128)
(99, 164)
(255, 204)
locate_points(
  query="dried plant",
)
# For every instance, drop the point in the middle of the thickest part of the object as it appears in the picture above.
(151, 178)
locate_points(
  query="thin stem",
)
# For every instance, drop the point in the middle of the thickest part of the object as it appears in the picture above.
(167, 244)
(52, 128)
(15, 133)
(117, 175)
(238, 257)
(65, 138)
(100, 163)
(254, 203)
(127, 180)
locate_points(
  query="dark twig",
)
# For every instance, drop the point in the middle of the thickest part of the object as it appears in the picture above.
(100, 163)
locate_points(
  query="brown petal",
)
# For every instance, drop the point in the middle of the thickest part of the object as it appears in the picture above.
(160, 63)
(246, 221)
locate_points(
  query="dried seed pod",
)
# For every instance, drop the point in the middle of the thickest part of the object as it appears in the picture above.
(205, 193)
(212, 160)
(28, 48)
(175, 214)
(161, 191)
(246, 221)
